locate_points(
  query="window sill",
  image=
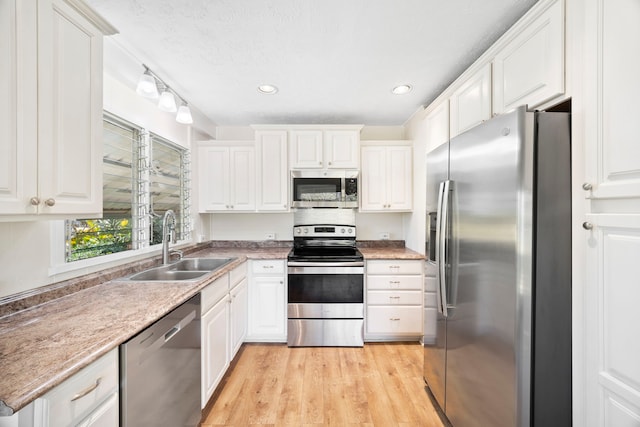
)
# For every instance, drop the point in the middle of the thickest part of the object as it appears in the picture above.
(91, 265)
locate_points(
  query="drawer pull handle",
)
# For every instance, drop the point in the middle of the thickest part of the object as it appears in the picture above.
(394, 297)
(394, 318)
(267, 266)
(394, 282)
(87, 390)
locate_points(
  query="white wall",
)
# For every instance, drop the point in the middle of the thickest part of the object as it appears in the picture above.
(24, 256)
(415, 222)
(255, 226)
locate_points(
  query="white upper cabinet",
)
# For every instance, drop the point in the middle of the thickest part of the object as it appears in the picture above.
(306, 149)
(471, 102)
(226, 178)
(325, 148)
(613, 137)
(50, 109)
(437, 124)
(386, 178)
(272, 186)
(342, 149)
(530, 68)
(607, 224)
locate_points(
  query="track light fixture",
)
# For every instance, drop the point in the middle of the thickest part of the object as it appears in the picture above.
(184, 114)
(151, 86)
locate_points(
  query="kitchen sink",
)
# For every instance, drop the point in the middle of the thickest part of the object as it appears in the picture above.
(187, 269)
(199, 264)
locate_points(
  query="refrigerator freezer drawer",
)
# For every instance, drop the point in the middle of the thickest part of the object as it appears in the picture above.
(395, 267)
(394, 320)
(394, 297)
(394, 282)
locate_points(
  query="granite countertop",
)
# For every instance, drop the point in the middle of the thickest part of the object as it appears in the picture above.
(42, 346)
(45, 344)
(389, 253)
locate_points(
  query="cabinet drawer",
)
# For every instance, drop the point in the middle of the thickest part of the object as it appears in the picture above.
(394, 320)
(214, 292)
(82, 393)
(394, 297)
(395, 267)
(237, 274)
(267, 266)
(394, 282)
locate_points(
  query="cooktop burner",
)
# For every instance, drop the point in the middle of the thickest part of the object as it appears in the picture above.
(325, 255)
(324, 243)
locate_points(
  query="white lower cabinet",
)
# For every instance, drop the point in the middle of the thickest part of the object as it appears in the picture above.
(89, 398)
(215, 350)
(267, 301)
(394, 299)
(223, 327)
(238, 315)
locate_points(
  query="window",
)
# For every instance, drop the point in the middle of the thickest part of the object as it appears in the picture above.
(144, 175)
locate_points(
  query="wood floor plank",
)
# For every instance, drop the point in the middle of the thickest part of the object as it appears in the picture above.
(290, 401)
(313, 385)
(268, 384)
(379, 385)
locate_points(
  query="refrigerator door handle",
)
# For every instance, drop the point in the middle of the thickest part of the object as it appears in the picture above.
(441, 242)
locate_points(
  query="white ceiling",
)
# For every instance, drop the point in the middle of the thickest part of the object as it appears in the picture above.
(334, 61)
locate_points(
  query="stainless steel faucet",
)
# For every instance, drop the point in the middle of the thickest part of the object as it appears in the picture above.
(168, 233)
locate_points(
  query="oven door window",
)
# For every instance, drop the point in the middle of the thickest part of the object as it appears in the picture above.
(326, 288)
(317, 189)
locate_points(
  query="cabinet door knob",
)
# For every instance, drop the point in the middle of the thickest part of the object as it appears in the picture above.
(587, 225)
(34, 201)
(320, 163)
(50, 202)
(587, 186)
(329, 163)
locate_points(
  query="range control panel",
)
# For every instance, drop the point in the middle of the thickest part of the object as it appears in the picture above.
(324, 231)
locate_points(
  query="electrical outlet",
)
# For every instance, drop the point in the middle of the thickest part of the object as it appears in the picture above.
(384, 235)
(270, 236)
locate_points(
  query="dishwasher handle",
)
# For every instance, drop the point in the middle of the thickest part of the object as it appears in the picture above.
(172, 332)
(167, 336)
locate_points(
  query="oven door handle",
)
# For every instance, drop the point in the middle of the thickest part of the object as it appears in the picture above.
(325, 264)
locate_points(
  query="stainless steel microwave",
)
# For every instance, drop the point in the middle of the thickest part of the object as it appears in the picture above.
(324, 189)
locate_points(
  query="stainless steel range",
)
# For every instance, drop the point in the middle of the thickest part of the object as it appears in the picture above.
(325, 287)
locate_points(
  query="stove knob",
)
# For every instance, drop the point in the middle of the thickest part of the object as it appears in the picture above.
(350, 230)
(306, 230)
(298, 230)
(342, 231)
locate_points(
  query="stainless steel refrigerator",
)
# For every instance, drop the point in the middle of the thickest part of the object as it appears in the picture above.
(499, 209)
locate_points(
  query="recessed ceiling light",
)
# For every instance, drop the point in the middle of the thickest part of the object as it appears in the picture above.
(267, 89)
(401, 90)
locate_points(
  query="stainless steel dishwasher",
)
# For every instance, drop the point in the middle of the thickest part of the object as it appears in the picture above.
(160, 371)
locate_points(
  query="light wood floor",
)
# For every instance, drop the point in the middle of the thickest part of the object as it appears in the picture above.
(273, 385)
